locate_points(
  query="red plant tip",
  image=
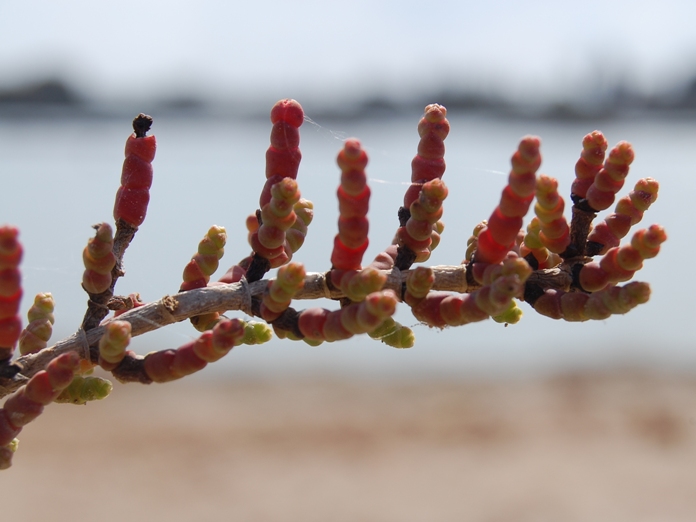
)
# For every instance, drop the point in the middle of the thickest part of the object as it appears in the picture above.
(529, 148)
(610, 179)
(594, 146)
(432, 194)
(525, 162)
(646, 193)
(286, 190)
(648, 241)
(352, 150)
(352, 157)
(434, 123)
(289, 111)
(435, 113)
(622, 154)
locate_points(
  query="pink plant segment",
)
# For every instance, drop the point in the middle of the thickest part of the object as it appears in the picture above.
(424, 221)
(10, 290)
(133, 195)
(442, 309)
(28, 402)
(500, 284)
(206, 260)
(620, 263)
(296, 234)
(202, 266)
(283, 156)
(578, 306)
(37, 333)
(277, 216)
(533, 245)
(169, 365)
(498, 238)
(629, 211)
(319, 324)
(353, 203)
(99, 260)
(281, 290)
(357, 284)
(113, 344)
(419, 218)
(554, 231)
(610, 178)
(429, 163)
(594, 146)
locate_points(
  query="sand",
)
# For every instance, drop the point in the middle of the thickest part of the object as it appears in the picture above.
(586, 447)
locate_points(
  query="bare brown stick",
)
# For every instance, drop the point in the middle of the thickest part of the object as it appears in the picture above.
(237, 296)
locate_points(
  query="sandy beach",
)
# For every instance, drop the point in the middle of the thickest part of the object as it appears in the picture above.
(583, 447)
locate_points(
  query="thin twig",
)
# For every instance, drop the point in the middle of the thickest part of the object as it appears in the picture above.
(236, 296)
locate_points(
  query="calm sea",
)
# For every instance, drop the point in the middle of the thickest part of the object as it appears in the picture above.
(59, 178)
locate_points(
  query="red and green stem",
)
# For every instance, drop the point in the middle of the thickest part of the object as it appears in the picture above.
(498, 237)
(353, 204)
(28, 402)
(423, 233)
(10, 291)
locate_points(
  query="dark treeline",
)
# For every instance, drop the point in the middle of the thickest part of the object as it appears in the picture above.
(55, 97)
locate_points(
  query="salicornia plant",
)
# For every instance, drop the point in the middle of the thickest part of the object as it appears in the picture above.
(562, 269)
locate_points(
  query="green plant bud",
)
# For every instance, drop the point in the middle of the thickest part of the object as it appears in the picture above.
(214, 242)
(512, 315)
(13, 446)
(7, 452)
(85, 389)
(393, 334)
(42, 308)
(287, 190)
(112, 345)
(304, 209)
(257, 333)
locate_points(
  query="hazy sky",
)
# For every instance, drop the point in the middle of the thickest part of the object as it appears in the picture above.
(147, 48)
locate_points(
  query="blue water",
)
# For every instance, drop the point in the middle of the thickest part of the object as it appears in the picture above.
(59, 178)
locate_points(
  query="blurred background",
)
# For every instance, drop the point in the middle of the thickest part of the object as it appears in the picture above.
(383, 434)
